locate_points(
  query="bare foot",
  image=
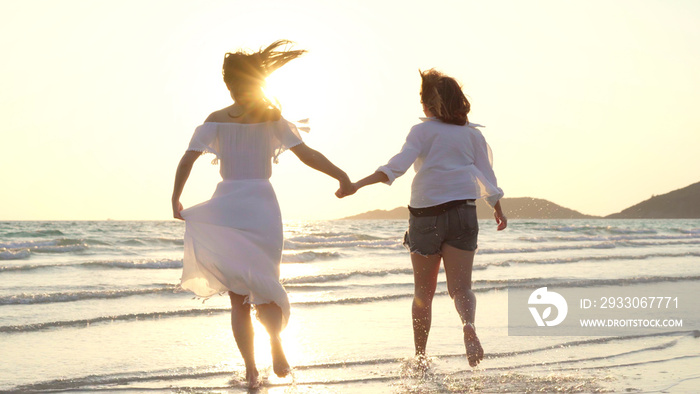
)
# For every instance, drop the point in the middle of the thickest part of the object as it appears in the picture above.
(475, 353)
(252, 378)
(422, 363)
(279, 360)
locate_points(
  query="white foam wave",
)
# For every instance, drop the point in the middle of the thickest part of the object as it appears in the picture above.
(605, 245)
(42, 243)
(591, 229)
(138, 264)
(608, 238)
(59, 249)
(24, 249)
(135, 264)
(162, 240)
(695, 231)
(345, 275)
(101, 319)
(36, 233)
(506, 282)
(567, 260)
(378, 243)
(305, 257)
(480, 286)
(647, 243)
(602, 245)
(28, 244)
(16, 254)
(45, 298)
(332, 237)
(617, 230)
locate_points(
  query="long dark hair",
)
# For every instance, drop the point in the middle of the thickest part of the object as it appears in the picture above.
(244, 73)
(443, 96)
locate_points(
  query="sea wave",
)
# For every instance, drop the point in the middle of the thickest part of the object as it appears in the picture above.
(695, 231)
(604, 245)
(24, 249)
(302, 257)
(393, 243)
(332, 237)
(592, 238)
(480, 286)
(567, 260)
(339, 240)
(15, 254)
(592, 341)
(28, 244)
(133, 264)
(102, 319)
(591, 229)
(36, 233)
(344, 275)
(325, 278)
(496, 284)
(155, 241)
(136, 264)
(305, 257)
(70, 296)
(525, 282)
(209, 372)
(132, 242)
(59, 249)
(600, 245)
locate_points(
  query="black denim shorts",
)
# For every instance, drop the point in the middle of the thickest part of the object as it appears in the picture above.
(457, 227)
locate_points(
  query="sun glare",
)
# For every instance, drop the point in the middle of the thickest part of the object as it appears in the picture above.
(293, 89)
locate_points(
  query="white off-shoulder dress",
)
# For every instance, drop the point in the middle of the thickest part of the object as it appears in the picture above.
(233, 242)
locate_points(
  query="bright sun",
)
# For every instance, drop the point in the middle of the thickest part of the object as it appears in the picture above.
(296, 88)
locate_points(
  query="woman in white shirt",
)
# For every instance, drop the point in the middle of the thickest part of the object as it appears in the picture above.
(233, 242)
(453, 168)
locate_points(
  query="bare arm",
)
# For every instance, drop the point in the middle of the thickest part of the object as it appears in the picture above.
(181, 175)
(318, 161)
(372, 179)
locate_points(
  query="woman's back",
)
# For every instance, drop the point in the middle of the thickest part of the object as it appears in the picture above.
(446, 146)
(452, 162)
(245, 150)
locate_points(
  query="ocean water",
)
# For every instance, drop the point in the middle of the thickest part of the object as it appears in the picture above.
(90, 306)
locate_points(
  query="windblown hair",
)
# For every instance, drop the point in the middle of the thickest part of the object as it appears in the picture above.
(244, 73)
(443, 96)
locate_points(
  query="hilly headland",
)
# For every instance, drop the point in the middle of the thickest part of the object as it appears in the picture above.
(683, 203)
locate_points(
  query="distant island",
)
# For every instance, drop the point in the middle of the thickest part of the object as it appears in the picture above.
(679, 204)
(516, 208)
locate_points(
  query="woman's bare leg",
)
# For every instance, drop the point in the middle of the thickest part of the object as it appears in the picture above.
(425, 272)
(244, 335)
(270, 316)
(458, 269)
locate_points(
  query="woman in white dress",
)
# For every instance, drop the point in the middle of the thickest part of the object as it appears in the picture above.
(453, 169)
(233, 242)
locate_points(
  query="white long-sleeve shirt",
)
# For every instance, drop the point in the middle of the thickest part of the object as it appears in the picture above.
(451, 162)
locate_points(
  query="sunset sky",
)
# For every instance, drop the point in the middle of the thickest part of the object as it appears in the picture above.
(587, 104)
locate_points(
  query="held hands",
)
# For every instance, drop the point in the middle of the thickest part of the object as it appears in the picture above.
(350, 188)
(346, 188)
